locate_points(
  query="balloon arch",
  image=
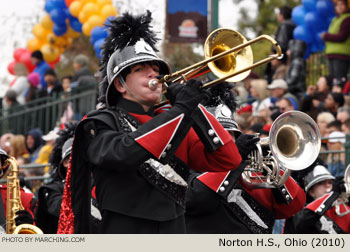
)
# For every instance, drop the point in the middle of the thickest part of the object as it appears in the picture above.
(64, 21)
(312, 18)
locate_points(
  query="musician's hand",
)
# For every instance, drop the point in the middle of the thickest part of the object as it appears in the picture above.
(23, 217)
(246, 143)
(172, 91)
(190, 96)
(339, 185)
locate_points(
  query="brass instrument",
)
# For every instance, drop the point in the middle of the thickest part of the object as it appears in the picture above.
(294, 143)
(228, 55)
(344, 197)
(13, 201)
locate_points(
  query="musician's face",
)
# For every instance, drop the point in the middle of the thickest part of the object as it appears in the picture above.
(321, 188)
(136, 85)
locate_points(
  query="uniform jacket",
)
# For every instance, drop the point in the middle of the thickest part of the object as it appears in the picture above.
(217, 203)
(142, 169)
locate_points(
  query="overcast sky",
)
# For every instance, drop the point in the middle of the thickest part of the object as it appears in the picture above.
(17, 18)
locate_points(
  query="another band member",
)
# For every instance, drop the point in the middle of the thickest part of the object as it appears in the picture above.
(139, 158)
(224, 203)
(22, 216)
(320, 215)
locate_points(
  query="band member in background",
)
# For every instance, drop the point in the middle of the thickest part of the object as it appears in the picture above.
(222, 202)
(22, 216)
(139, 158)
(319, 215)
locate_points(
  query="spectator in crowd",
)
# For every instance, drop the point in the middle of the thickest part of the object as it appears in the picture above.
(278, 70)
(34, 143)
(45, 151)
(333, 102)
(259, 91)
(343, 113)
(66, 84)
(345, 127)
(333, 126)
(82, 80)
(337, 41)
(21, 83)
(247, 84)
(285, 30)
(278, 89)
(336, 161)
(313, 101)
(5, 142)
(322, 121)
(41, 67)
(54, 88)
(32, 92)
(20, 153)
(296, 74)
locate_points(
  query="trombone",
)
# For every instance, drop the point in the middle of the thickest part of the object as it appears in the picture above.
(228, 56)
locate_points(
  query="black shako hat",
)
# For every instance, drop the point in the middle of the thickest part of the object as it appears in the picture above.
(130, 41)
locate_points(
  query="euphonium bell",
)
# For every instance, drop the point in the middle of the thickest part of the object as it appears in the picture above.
(294, 143)
(344, 197)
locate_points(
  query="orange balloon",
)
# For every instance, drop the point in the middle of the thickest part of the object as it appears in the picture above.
(87, 28)
(46, 22)
(75, 8)
(88, 1)
(107, 11)
(83, 17)
(95, 20)
(104, 2)
(90, 9)
(39, 32)
(49, 52)
(33, 44)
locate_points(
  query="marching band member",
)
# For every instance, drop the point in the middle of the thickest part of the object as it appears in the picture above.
(223, 203)
(139, 159)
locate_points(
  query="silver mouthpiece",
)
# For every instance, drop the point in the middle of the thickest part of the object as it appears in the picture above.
(152, 84)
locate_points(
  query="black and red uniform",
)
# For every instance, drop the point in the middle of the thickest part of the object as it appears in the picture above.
(320, 217)
(222, 203)
(26, 200)
(140, 164)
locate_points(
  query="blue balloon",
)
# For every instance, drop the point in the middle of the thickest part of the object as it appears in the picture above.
(313, 22)
(298, 14)
(302, 33)
(49, 6)
(75, 24)
(60, 4)
(59, 30)
(309, 5)
(99, 32)
(58, 16)
(97, 47)
(325, 8)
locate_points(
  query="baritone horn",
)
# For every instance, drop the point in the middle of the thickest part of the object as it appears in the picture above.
(293, 144)
(344, 197)
(228, 56)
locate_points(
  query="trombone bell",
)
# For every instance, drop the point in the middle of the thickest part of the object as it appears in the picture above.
(222, 40)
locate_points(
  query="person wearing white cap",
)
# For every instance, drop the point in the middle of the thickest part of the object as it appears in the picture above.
(319, 215)
(336, 161)
(45, 151)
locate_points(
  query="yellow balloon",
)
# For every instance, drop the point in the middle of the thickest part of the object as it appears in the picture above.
(87, 28)
(33, 44)
(107, 11)
(39, 31)
(90, 9)
(51, 38)
(46, 22)
(71, 33)
(83, 17)
(88, 1)
(104, 2)
(49, 52)
(95, 20)
(75, 8)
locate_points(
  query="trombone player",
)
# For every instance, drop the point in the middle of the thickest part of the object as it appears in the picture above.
(22, 216)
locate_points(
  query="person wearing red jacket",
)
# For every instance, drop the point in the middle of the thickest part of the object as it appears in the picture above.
(139, 159)
(222, 202)
(22, 216)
